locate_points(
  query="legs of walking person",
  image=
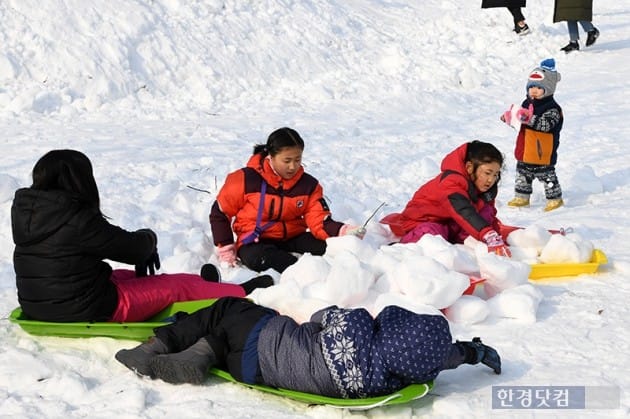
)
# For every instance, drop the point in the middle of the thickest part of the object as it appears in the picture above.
(586, 25)
(517, 14)
(574, 34)
(592, 33)
(520, 27)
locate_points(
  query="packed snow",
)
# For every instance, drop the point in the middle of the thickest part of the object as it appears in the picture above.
(168, 96)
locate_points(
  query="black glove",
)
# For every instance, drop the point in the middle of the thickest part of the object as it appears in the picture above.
(152, 263)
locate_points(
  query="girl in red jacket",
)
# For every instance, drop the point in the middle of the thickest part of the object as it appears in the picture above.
(457, 203)
(273, 208)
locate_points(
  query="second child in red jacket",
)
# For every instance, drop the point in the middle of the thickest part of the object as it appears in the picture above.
(457, 203)
(274, 208)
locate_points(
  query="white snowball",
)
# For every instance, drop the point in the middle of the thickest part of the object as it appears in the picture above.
(533, 236)
(347, 282)
(468, 309)
(306, 270)
(284, 297)
(360, 248)
(501, 273)
(454, 257)
(527, 255)
(519, 303)
(567, 249)
(429, 282)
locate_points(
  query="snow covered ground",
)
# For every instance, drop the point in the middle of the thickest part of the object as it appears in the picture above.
(167, 96)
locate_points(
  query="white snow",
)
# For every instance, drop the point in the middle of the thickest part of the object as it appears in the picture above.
(168, 96)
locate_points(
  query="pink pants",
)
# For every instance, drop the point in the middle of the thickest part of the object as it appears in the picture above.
(141, 298)
(449, 230)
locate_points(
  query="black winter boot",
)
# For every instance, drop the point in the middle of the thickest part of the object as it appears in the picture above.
(262, 281)
(477, 352)
(571, 46)
(188, 366)
(137, 359)
(591, 37)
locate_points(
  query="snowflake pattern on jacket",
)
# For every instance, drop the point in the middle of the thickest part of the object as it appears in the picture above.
(369, 357)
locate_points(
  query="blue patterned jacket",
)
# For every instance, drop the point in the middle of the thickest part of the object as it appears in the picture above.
(369, 357)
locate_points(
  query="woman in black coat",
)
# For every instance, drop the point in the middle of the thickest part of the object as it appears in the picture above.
(61, 240)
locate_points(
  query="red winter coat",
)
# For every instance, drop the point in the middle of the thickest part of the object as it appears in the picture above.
(293, 206)
(450, 196)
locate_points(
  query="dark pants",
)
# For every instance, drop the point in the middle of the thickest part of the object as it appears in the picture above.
(276, 254)
(516, 14)
(526, 173)
(456, 357)
(227, 325)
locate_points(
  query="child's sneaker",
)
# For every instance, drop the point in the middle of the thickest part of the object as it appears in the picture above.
(518, 202)
(592, 37)
(552, 204)
(571, 46)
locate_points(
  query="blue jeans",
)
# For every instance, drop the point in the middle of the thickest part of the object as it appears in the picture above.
(574, 35)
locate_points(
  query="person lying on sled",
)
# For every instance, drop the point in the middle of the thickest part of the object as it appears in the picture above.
(342, 353)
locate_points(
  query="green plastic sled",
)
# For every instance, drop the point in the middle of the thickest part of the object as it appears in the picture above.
(141, 331)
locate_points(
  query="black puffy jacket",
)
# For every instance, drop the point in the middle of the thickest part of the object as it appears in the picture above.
(58, 259)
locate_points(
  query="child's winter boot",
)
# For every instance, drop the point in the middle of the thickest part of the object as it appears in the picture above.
(552, 204)
(477, 352)
(188, 366)
(518, 201)
(137, 359)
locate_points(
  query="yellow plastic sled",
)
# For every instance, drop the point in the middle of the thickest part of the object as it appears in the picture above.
(558, 270)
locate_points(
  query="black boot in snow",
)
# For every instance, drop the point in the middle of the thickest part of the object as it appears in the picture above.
(188, 366)
(137, 359)
(477, 352)
(210, 273)
(592, 37)
(262, 281)
(571, 46)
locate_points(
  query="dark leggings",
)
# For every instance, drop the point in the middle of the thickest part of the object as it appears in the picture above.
(516, 14)
(276, 254)
(226, 325)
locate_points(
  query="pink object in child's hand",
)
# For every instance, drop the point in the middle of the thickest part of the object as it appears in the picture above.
(507, 116)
